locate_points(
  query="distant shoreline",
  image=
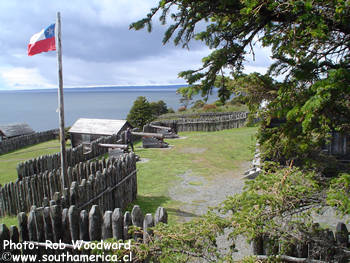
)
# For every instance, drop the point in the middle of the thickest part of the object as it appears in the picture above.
(104, 88)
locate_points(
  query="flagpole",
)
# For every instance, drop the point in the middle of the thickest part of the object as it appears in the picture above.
(60, 102)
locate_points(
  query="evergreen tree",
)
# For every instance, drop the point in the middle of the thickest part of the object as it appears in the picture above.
(310, 44)
(158, 108)
(140, 113)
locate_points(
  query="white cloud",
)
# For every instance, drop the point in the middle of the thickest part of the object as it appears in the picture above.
(24, 78)
(150, 70)
(112, 13)
(98, 48)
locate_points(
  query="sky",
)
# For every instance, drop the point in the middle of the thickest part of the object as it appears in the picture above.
(97, 46)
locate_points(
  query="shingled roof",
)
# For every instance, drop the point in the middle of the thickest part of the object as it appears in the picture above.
(15, 129)
(97, 126)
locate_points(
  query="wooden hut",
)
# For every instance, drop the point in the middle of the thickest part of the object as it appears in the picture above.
(84, 131)
(14, 130)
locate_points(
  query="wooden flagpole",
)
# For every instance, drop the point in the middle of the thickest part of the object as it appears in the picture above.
(60, 101)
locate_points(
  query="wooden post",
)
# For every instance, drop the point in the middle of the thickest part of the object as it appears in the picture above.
(60, 101)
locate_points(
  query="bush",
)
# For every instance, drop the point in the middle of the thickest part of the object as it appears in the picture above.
(218, 103)
(171, 110)
(182, 108)
(198, 104)
(238, 100)
(158, 108)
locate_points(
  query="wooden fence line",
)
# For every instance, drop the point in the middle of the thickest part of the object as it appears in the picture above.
(216, 123)
(74, 156)
(71, 224)
(203, 115)
(19, 142)
(84, 182)
(108, 190)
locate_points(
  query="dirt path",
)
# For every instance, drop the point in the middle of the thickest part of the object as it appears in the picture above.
(198, 194)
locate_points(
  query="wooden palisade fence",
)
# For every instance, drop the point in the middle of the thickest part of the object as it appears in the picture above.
(114, 179)
(19, 142)
(71, 224)
(203, 115)
(211, 123)
(52, 161)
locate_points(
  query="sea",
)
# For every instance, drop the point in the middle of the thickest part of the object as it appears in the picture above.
(39, 108)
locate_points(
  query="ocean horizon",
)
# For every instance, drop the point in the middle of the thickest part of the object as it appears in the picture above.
(39, 108)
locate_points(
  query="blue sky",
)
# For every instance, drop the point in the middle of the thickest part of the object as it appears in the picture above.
(98, 48)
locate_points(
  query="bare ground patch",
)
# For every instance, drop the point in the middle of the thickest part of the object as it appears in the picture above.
(192, 150)
(197, 194)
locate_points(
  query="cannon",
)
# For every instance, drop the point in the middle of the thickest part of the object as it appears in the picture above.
(152, 140)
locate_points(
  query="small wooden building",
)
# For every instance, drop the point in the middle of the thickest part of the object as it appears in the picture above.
(84, 131)
(14, 130)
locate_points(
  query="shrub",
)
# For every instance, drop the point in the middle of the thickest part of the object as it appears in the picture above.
(158, 108)
(198, 104)
(218, 103)
(171, 110)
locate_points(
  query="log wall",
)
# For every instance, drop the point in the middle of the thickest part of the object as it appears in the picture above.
(207, 123)
(52, 161)
(19, 142)
(55, 223)
(109, 183)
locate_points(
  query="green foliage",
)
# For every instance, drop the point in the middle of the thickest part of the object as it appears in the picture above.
(159, 108)
(310, 46)
(143, 112)
(271, 199)
(224, 91)
(338, 194)
(187, 94)
(183, 242)
(198, 104)
(306, 38)
(218, 103)
(310, 43)
(310, 114)
(171, 110)
(140, 113)
(278, 204)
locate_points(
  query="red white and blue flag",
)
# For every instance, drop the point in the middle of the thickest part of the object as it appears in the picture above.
(43, 41)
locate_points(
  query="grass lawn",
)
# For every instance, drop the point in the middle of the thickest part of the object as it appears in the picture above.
(9, 221)
(204, 153)
(8, 162)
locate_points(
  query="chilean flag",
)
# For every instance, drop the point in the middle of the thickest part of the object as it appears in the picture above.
(43, 41)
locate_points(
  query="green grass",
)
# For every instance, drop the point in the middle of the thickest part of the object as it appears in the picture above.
(9, 161)
(204, 153)
(9, 221)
